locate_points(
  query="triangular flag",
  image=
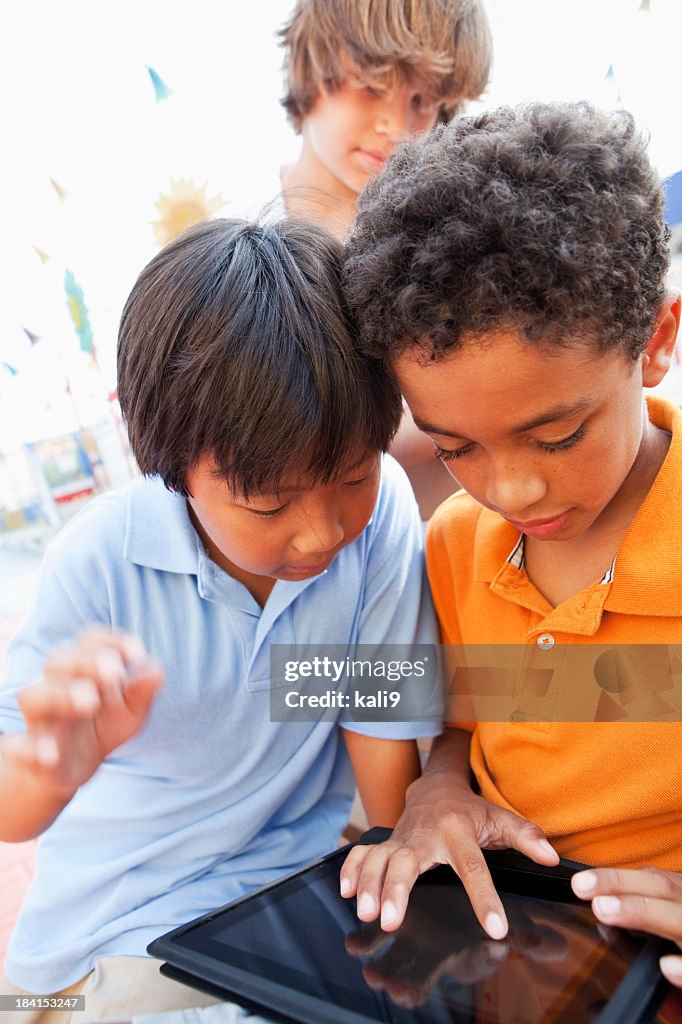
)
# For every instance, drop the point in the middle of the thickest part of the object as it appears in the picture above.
(12, 369)
(33, 338)
(645, 6)
(610, 74)
(44, 256)
(79, 312)
(60, 190)
(161, 90)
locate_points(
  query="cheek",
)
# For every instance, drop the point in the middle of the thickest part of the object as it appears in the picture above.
(424, 123)
(360, 509)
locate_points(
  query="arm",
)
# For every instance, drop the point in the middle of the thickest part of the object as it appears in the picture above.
(89, 701)
(444, 822)
(383, 770)
(647, 899)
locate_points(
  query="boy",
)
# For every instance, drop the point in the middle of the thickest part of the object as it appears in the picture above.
(510, 268)
(278, 523)
(360, 76)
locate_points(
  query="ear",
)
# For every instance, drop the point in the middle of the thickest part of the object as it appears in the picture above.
(659, 351)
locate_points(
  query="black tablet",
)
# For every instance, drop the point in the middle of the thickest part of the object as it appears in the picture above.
(297, 950)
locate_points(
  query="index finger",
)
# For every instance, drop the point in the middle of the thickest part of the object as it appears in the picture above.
(466, 858)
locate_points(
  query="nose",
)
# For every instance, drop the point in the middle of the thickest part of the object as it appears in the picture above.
(513, 492)
(396, 117)
(319, 529)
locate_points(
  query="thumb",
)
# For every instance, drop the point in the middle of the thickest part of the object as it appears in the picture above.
(141, 690)
(529, 839)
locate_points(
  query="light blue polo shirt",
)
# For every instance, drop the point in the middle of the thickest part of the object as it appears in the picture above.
(211, 798)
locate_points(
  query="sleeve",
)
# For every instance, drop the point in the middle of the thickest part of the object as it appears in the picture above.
(397, 630)
(69, 594)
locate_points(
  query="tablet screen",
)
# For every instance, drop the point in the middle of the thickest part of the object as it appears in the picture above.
(557, 965)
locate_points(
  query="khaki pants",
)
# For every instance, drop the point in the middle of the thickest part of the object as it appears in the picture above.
(119, 989)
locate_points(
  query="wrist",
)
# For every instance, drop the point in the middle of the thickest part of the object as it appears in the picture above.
(439, 783)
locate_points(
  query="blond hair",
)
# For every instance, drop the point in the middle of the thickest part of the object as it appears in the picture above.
(446, 42)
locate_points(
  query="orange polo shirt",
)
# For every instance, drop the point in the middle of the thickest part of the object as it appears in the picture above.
(606, 791)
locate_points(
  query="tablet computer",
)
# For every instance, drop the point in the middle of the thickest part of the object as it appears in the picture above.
(297, 951)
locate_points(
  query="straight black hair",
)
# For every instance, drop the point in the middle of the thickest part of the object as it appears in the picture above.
(236, 343)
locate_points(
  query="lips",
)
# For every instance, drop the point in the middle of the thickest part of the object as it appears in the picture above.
(311, 570)
(372, 159)
(542, 528)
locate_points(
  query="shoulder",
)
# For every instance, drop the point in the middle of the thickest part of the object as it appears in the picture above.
(396, 498)
(97, 530)
(454, 523)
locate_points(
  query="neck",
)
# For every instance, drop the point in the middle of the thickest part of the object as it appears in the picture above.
(259, 587)
(311, 190)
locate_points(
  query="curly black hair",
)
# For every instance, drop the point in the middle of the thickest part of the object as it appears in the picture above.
(544, 219)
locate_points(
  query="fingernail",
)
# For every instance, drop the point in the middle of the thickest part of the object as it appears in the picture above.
(606, 906)
(584, 883)
(366, 904)
(389, 913)
(345, 887)
(671, 967)
(495, 926)
(547, 847)
(47, 751)
(83, 695)
(135, 650)
(109, 667)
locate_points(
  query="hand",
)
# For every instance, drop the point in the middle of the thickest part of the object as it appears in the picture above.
(90, 700)
(444, 822)
(647, 899)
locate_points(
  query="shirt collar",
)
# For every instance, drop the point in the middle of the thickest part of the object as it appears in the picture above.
(648, 573)
(159, 533)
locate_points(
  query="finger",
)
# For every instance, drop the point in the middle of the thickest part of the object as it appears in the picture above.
(469, 863)
(105, 668)
(644, 913)
(128, 646)
(78, 698)
(402, 871)
(671, 968)
(371, 880)
(139, 692)
(645, 882)
(528, 838)
(31, 751)
(351, 870)
(371, 877)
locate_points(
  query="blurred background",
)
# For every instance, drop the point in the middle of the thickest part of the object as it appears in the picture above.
(123, 123)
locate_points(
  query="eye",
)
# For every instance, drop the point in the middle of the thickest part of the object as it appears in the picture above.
(356, 483)
(447, 454)
(565, 443)
(267, 513)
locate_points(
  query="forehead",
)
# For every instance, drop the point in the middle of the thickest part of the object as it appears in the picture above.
(206, 478)
(506, 380)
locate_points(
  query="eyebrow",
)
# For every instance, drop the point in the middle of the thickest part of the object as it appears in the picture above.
(558, 412)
